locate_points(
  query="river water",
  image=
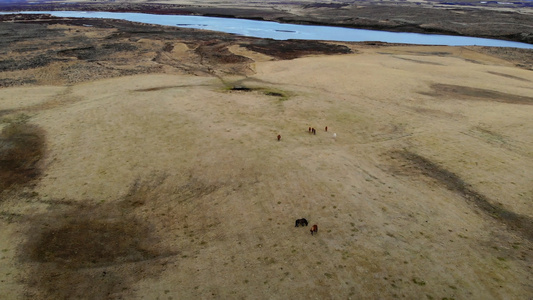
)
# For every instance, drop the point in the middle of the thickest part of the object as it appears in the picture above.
(280, 31)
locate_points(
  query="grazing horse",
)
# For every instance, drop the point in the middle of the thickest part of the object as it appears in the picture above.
(279, 137)
(302, 222)
(314, 228)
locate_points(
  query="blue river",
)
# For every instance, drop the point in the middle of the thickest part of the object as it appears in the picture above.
(280, 31)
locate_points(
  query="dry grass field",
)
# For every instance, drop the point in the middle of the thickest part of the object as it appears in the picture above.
(170, 183)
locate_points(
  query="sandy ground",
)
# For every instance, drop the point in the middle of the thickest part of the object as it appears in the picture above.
(172, 186)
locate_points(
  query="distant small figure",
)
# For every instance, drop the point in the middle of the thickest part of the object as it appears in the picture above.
(326, 128)
(309, 129)
(302, 222)
(314, 130)
(279, 137)
(334, 136)
(314, 229)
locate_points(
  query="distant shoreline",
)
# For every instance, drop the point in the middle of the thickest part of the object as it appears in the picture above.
(279, 31)
(410, 18)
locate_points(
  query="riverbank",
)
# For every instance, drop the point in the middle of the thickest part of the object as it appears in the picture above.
(274, 30)
(477, 20)
(144, 161)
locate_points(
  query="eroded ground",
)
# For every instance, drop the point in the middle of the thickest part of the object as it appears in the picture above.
(141, 162)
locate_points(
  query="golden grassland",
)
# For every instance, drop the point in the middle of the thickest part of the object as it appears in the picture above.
(171, 184)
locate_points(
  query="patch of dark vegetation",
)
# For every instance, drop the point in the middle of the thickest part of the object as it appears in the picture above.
(10, 217)
(88, 243)
(90, 251)
(465, 92)
(110, 6)
(194, 189)
(522, 58)
(119, 47)
(509, 76)
(97, 52)
(85, 71)
(22, 145)
(10, 82)
(265, 91)
(12, 33)
(326, 5)
(292, 49)
(419, 61)
(431, 53)
(117, 53)
(520, 223)
(153, 89)
(79, 53)
(6, 112)
(241, 88)
(56, 202)
(213, 52)
(25, 63)
(274, 94)
(168, 47)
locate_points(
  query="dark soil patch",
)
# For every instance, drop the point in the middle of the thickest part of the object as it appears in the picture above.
(94, 251)
(419, 164)
(22, 145)
(465, 93)
(293, 49)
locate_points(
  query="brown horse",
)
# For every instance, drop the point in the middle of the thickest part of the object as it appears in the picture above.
(314, 229)
(279, 137)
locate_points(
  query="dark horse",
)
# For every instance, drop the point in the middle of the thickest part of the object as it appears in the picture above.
(302, 222)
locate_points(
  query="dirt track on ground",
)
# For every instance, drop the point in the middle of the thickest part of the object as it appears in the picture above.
(157, 172)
